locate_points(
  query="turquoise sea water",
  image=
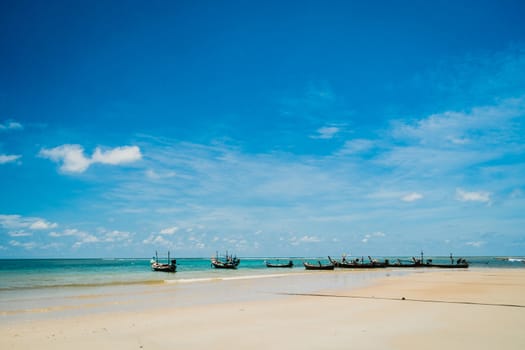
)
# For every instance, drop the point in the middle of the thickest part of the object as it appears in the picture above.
(41, 288)
(24, 274)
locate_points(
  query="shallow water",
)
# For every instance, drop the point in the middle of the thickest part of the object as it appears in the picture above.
(36, 288)
(17, 274)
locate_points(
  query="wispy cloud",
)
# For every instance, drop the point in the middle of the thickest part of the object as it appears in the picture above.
(158, 241)
(487, 124)
(25, 245)
(19, 234)
(19, 221)
(156, 175)
(5, 158)
(294, 241)
(114, 236)
(32, 233)
(326, 132)
(228, 191)
(42, 225)
(411, 197)
(311, 110)
(10, 125)
(73, 160)
(116, 156)
(103, 236)
(369, 236)
(480, 196)
(356, 146)
(365, 181)
(169, 230)
(476, 244)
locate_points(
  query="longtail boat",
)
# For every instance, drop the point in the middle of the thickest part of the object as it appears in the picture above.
(288, 264)
(171, 266)
(229, 262)
(459, 264)
(357, 263)
(416, 262)
(318, 266)
(399, 263)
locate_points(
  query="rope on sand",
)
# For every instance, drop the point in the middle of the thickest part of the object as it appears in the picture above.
(402, 299)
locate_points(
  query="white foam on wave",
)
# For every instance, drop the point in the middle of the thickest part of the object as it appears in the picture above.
(191, 280)
(226, 278)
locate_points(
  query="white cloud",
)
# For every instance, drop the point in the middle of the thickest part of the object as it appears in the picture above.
(18, 222)
(72, 232)
(326, 132)
(465, 196)
(20, 234)
(25, 245)
(367, 237)
(169, 230)
(8, 158)
(460, 128)
(117, 236)
(476, 244)
(71, 156)
(304, 239)
(450, 141)
(118, 155)
(155, 175)
(411, 197)
(356, 146)
(83, 237)
(157, 240)
(11, 125)
(42, 225)
(73, 159)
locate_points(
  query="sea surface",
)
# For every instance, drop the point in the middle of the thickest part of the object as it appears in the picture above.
(26, 274)
(33, 289)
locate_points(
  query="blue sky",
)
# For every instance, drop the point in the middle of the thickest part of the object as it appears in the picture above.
(271, 128)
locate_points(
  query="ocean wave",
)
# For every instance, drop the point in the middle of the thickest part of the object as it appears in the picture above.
(228, 278)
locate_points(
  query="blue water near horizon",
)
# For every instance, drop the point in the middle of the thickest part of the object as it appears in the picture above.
(20, 274)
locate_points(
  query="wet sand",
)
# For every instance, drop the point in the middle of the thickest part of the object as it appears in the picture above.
(419, 309)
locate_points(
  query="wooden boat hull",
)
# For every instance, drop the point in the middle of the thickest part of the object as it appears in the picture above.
(318, 267)
(360, 266)
(449, 266)
(171, 266)
(287, 265)
(225, 265)
(164, 267)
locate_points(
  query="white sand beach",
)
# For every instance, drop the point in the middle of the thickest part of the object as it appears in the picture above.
(422, 309)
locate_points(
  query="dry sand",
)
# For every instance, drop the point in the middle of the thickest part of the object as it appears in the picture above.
(467, 309)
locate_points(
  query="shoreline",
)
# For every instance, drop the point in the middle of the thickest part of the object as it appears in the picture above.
(475, 308)
(57, 302)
